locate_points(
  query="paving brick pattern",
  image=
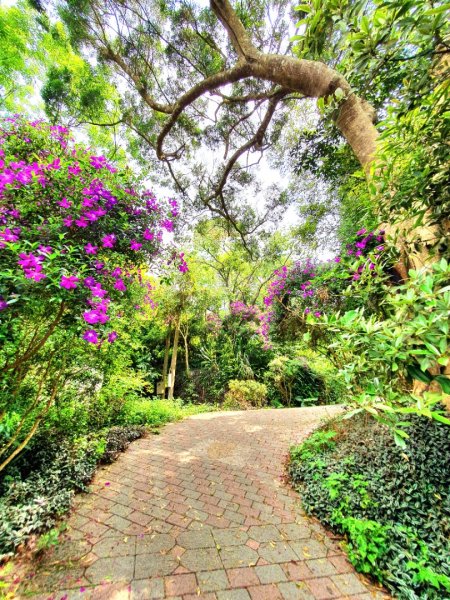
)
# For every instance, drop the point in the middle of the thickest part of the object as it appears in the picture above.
(200, 511)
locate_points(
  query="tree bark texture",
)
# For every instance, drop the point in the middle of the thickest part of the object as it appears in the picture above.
(166, 363)
(173, 364)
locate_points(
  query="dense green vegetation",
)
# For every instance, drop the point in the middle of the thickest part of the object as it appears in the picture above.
(391, 504)
(296, 253)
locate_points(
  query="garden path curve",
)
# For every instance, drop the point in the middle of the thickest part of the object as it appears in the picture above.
(200, 511)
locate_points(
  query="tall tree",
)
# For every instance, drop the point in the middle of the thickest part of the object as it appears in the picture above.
(176, 59)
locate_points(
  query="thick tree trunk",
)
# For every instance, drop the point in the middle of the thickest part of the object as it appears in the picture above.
(355, 118)
(173, 364)
(310, 78)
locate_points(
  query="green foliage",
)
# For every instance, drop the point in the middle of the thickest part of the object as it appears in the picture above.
(379, 357)
(117, 440)
(318, 441)
(49, 538)
(245, 394)
(391, 504)
(368, 542)
(300, 381)
(40, 486)
(157, 412)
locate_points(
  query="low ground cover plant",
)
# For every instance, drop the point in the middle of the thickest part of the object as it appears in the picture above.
(391, 504)
(38, 488)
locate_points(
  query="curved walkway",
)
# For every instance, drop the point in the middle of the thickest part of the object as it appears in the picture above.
(200, 511)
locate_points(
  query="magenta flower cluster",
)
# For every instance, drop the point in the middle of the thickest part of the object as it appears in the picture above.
(304, 279)
(252, 313)
(68, 219)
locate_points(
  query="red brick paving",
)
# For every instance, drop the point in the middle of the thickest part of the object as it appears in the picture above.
(200, 511)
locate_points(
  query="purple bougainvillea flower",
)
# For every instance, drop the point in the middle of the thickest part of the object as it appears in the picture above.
(119, 285)
(3, 303)
(98, 162)
(69, 283)
(91, 336)
(135, 245)
(90, 249)
(45, 249)
(92, 317)
(90, 282)
(361, 232)
(109, 240)
(74, 170)
(371, 266)
(81, 222)
(91, 215)
(64, 203)
(88, 202)
(55, 165)
(148, 235)
(30, 261)
(167, 224)
(68, 221)
(37, 275)
(317, 313)
(98, 292)
(8, 235)
(337, 259)
(112, 337)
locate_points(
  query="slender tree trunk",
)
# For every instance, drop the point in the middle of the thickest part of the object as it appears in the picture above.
(173, 364)
(186, 350)
(26, 414)
(186, 356)
(166, 363)
(33, 349)
(34, 428)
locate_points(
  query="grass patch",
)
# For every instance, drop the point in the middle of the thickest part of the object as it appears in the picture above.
(155, 413)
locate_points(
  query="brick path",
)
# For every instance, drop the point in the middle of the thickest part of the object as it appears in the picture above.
(200, 511)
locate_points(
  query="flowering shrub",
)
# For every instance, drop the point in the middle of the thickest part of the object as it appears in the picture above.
(317, 287)
(251, 313)
(380, 357)
(73, 230)
(75, 237)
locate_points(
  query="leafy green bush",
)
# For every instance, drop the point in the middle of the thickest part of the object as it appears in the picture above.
(118, 440)
(296, 382)
(381, 355)
(245, 394)
(391, 503)
(156, 412)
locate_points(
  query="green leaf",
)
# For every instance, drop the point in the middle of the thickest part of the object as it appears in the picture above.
(304, 8)
(418, 374)
(444, 382)
(399, 440)
(438, 417)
